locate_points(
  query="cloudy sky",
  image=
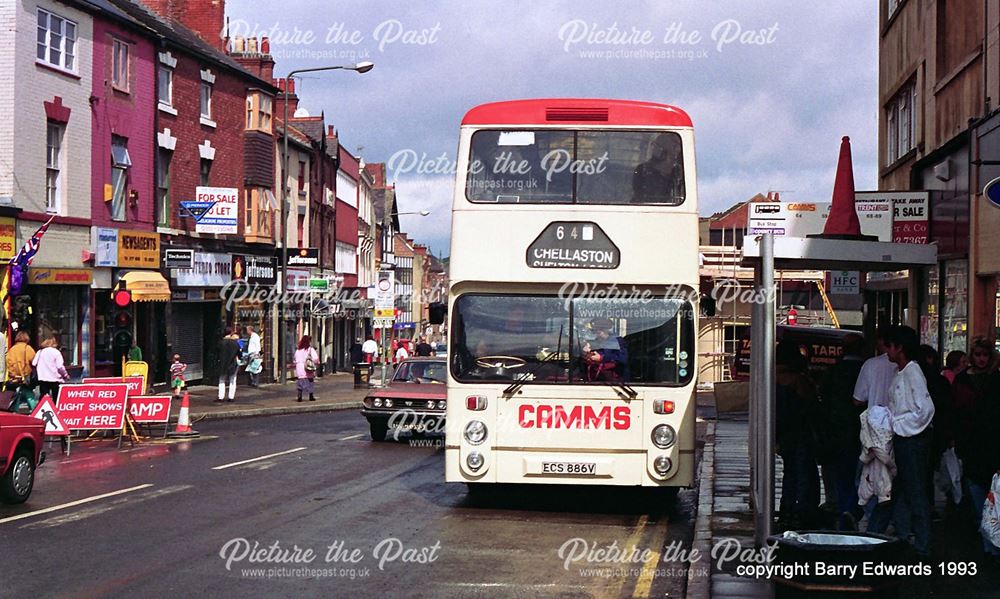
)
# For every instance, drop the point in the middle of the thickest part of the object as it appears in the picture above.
(771, 87)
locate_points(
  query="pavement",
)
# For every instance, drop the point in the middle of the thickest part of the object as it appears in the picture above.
(724, 513)
(333, 392)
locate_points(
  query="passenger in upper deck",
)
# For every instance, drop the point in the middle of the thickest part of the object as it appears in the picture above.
(661, 178)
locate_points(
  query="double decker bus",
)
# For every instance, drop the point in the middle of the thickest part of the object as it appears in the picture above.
(573, 295)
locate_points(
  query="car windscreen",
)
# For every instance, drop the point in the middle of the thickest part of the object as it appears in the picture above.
(420, 372)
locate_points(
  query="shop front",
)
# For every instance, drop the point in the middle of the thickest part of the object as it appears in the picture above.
(254, 278)
(56, 304)
(196, 315)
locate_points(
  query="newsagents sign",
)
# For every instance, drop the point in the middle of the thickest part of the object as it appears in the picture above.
(573, 244)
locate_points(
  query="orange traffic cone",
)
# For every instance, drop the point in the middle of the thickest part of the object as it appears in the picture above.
(184, 421)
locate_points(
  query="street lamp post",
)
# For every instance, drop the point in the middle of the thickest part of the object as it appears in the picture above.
(384, 337)
(361, 67)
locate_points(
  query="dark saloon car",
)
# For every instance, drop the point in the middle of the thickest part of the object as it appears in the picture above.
(414, 399)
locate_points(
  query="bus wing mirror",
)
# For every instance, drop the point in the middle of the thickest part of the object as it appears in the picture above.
(436, 312)
(707, 304)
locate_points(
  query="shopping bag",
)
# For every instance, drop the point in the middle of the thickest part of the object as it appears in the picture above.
(951, 469)
(990, 526)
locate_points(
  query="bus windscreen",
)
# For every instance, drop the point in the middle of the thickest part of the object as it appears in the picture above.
(548, 339)
(553, 166)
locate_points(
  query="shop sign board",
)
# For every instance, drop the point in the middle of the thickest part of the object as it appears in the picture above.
(256, 270)
(8, 237)
(138, 249)
(60, 276)
(177, 258)
(207, 270)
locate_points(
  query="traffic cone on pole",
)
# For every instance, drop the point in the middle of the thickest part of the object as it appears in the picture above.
(184, 429)
(843, 222)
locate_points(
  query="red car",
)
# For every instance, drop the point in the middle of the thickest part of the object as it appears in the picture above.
(20, 453)
(414, 399)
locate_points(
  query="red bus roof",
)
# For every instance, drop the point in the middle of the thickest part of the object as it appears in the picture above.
(577, 111)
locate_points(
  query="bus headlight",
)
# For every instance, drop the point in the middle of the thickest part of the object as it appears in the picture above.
(475, 432)
(377, 402)
(475, 461)
(664, 436)
(662, 465)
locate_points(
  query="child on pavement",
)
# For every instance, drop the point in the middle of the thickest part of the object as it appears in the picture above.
(177, 369)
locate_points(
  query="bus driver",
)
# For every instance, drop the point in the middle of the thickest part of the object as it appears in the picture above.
(605, 358)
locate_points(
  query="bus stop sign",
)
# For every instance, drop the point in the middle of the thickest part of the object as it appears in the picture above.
(992, 192)
(573, 244)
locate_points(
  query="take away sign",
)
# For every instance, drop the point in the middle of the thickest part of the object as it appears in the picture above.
(93, 406)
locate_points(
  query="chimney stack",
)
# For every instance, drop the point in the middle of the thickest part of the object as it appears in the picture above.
(207, 18)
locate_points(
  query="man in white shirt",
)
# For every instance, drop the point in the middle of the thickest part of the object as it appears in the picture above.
(254, 349)
(876, 376)
(401, 353)
(369, 348)
(912, 411)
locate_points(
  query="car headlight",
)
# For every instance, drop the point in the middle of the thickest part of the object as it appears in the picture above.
(662, 465)
(475, 461)
(475, 432)
(664, 436)
(431, 405)
(377, 402)
(388, 403)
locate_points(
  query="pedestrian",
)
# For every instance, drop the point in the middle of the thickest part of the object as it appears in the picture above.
(401, 352)
(229, 355)
(177, 369)
(134, 352)
(424, 348)
(254, 356)
(370, 348)
(955, 362)
(19, 372)
(977, 412)
(795, 419)
(843, 428)
(357, 355)
(305, 368)
(872, 390)
(51, 368)
(912, 411)
(942, 424)
(394, 346)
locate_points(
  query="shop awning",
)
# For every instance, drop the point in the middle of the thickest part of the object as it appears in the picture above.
(147, 286)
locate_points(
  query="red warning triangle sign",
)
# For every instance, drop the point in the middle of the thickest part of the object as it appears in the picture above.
(46, 411)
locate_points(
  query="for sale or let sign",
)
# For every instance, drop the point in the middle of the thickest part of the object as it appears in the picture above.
(92, 406)
(221, 217)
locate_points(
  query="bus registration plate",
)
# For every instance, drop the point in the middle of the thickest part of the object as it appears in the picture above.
(587, 468)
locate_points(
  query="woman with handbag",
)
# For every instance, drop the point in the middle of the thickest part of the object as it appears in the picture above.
(306, 360)
(19, 372)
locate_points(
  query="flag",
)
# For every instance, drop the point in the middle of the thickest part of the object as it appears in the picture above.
(13, 278)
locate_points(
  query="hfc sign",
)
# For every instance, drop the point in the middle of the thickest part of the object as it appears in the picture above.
(845, 282)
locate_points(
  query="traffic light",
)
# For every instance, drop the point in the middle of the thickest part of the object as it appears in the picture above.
(121, 319)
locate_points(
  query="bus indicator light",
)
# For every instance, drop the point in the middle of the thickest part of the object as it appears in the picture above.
(476, 403)
(663, 406)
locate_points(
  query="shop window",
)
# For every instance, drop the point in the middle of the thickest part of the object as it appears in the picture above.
(954, 306)
(120, 163)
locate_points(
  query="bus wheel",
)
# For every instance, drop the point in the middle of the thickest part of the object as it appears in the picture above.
(378, 430)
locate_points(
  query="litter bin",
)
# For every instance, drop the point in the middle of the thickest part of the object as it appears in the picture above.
(362, 372)
(836, 552)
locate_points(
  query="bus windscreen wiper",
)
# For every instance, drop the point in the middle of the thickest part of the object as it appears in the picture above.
(632, 393)
(513, 387)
